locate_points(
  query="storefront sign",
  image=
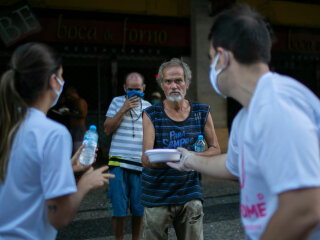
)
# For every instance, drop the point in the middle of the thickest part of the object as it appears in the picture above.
(304, 42)
(118, 33)
(16, 23)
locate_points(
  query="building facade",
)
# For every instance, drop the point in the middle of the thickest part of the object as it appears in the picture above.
(101, 41)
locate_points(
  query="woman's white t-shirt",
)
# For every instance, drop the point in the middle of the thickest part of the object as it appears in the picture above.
(39, 169)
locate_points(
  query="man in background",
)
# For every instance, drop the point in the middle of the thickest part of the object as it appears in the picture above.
(155, 98)
(77, 114)
(124, 121)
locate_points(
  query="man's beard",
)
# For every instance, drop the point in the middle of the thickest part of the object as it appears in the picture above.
(175, 98)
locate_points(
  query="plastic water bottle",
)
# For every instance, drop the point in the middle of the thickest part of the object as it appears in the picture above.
(91, 141)
(200, 145)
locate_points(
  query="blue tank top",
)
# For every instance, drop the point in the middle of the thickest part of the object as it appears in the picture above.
(166, 186)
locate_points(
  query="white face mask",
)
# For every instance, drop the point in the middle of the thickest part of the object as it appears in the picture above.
(57, 92)
(215, 73)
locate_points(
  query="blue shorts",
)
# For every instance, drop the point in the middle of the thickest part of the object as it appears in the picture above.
(124, 187)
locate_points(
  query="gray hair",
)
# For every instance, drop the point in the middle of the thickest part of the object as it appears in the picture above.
(175, 62)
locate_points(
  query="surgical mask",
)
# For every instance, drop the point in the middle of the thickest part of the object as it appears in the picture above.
(154, 101)
(131, 94)
(57, 92)
(215, 73)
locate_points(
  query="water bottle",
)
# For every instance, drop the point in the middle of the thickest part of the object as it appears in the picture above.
(91, 141)
(200, 145)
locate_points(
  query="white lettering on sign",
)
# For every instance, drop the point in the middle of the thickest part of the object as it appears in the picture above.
(17, 24)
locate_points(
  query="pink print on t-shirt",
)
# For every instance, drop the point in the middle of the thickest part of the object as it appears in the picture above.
(255, 210)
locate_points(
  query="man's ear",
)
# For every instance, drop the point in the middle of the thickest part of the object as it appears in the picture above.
(224, 58)
(187, 83)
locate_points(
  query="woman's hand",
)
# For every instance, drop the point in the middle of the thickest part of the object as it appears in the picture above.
(75, 161)
(92, 179)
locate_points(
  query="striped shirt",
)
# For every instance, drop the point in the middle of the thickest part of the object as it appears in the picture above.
(126, 144)
(165, 186)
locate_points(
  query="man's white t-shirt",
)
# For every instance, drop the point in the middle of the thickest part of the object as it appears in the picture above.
(274, 147)
(39, 169)
(127, 139)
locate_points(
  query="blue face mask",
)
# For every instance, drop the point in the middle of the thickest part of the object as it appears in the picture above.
(131, 94)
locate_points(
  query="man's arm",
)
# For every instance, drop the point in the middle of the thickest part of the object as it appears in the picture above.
(112, 124)
(211, 139)
(297, 215)
(214, 166)
(62, 209)
(148, 143)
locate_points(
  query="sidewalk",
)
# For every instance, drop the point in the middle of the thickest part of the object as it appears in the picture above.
(221, 219)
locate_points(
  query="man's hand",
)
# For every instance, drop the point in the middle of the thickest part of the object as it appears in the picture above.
(130, 103)
(214, 166)
(180, 166)
(111, 124)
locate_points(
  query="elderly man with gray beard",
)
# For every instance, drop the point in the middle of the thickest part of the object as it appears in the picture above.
(170, 196)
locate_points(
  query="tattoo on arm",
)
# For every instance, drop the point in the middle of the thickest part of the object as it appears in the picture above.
(52, 208)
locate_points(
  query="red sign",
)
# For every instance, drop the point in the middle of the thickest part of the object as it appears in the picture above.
(122, 33)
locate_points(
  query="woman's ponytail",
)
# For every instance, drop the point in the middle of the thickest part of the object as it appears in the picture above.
(12, 112)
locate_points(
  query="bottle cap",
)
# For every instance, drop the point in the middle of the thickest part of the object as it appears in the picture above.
(200, 137)
(92, 128)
